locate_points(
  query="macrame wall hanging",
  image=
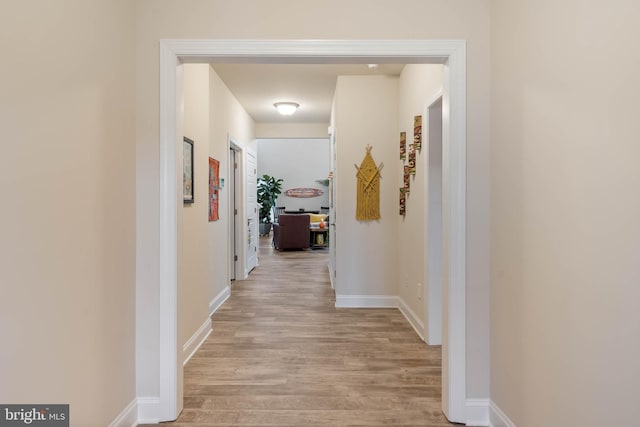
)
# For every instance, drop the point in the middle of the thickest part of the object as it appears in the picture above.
(368, 197)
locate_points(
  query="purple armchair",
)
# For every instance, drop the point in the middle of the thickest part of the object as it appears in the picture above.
(291, 232)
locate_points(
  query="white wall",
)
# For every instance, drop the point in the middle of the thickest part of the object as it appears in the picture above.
(67, 223)
(299, 162)
(292, 130)
(417, 84)
(366, 113)
(330, 19)
(565, 232)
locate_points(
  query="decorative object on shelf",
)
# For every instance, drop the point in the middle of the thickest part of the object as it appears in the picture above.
(269, 188)
(412, 160)
(407, 180)
(403, 146)
(417, 133)
(187, 170)
(214, 188)
(403, 202)
(303, 192)
(368, 188)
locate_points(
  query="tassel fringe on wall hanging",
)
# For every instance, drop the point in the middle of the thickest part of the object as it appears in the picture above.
(368, 193)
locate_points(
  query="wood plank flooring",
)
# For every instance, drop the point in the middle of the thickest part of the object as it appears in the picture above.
(282, 355)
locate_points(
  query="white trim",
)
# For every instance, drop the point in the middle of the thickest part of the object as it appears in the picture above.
(193, 344)
(411, 317)
(240, 203)
(454, 137)
(219, 299)
(311, 51)
(497, 418)
(331, 277)
(170, 122)
(432, 299)
(128, 417)
(435, 98)
(478, 412)
(366, 301)
(450, 52)
(148, 410)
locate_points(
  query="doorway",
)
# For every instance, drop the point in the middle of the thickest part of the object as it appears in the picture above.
(234, 225)
(450, 53)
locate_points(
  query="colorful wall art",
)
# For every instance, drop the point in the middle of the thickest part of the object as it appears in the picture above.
(412, 159)
(214, 188)
(417, 133)
(403, 145)
(407, 180)
(303, 192)
(403, 202)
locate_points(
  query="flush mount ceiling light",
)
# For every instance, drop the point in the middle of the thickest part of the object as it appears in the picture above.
(286, 108)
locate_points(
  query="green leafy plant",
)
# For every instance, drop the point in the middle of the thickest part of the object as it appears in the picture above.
(268, 190)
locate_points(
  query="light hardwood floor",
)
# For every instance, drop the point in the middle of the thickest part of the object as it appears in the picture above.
(282, 355)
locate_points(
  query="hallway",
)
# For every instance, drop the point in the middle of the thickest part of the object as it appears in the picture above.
(281, 355)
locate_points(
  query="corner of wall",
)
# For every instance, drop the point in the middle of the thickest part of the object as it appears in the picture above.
(477, 412)
(497, 418)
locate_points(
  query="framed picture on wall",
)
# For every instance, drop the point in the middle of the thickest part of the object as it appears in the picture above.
(187, 170)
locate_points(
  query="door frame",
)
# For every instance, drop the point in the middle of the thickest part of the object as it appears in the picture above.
(235, 225)
(432, 297)
(451, 53)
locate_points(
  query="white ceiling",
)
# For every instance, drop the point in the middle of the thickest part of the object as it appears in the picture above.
(258, 86)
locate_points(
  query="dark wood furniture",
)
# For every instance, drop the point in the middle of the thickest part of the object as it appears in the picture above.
(291, 232)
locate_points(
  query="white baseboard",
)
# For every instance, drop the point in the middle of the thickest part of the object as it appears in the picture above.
(366, 301)
(497, 418)
(148, 410)
(219, 299)
(194, 343)
(382, 301)
(411, 317)
(478, 412)
(128, 417)
(331, 277)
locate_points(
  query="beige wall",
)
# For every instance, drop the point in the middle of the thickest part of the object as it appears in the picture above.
(306, 19)
(565, 232)
(67, 223)
(366, 113)
(211, 113)
(229, 120)
(418, 84)
(195, 278)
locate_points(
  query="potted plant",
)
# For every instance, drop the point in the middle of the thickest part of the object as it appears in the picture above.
(268, 190)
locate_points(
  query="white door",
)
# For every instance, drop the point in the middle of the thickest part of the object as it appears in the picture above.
(252, 212)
